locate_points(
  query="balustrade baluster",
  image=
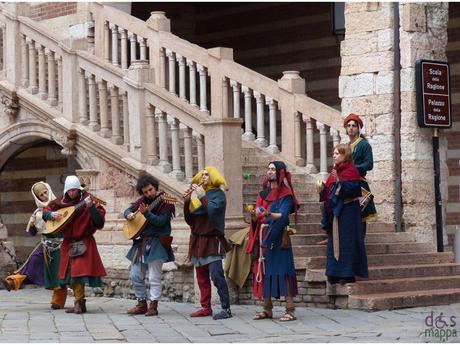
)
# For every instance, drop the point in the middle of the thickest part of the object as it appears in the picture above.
(203, 95)
(310, 152)
(273, 148)
(52, 98)
(82, 97)
(126, 121)
(115, 109)
(25, 61)
(106, 42)
(192, 78)
(247, 135)
(200, 149)
(260, 113)
(299, 161)
(103, 108)
(93, 121)
(60, 86)
(143, 48)
(335, 136)
(150, 136)
(188, 155)
(236, 98)
(225, 97)
(114, 29)
(162, 68)
(33, 85)
(133, 47)
(164, 164)
(181, 61)
(171, 71)
(124, 48)
(42, 85)
(175, 150)
(322, 148)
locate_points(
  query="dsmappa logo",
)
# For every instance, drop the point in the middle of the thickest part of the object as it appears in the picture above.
(441, 327)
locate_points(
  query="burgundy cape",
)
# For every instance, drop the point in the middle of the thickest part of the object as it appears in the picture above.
(80, 227)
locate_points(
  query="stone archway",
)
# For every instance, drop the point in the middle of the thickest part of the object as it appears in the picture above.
(40, 160)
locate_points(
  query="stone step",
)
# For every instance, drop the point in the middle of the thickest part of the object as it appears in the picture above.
(319, 262)
(395, 272)
(371, 248)
(299, 238)
(396, 300)
(395, 285)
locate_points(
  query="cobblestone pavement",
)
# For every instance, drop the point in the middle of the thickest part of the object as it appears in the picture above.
(25, 316)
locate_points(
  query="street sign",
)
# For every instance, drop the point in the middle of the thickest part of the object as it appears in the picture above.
(433, 94)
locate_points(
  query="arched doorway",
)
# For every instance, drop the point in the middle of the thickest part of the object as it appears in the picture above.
(40, 160)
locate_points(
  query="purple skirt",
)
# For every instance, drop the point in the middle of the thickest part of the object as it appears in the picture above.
(33, 268)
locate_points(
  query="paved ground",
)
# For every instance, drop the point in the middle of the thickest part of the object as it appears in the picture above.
(25, 316)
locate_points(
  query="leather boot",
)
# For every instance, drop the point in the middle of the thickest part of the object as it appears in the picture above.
(140, 308)
(78, 308)
(153, 309)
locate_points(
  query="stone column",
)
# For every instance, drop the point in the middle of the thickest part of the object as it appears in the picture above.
(188, 157)
(151, 136)
(309, 150)
(247, 135)
(203, 82)
(114, 29)
(366, 87)
(33, 85)
(106, 42)
(114, 105)
(52, 98)
(260, 113)
(42, 86)
(125, 120)
(292, 82)
(133, 50)
(236, 99)
(171, 71)
(11, 59)
(143, 48)
(423, 35)
(93, 122)
(177, 173)
(60, 87)
(298, 140)
(103, 108)
(83, 100)
(124, 48)
(322, 149)
(273, 147)
(200, 151)
(192, 80)
(24, 62)
(164, 164)
(181, 62)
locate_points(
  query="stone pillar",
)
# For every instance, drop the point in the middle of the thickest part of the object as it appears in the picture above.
(164, 164)
(293, 83)
(115, 108)
(151, 136)
(260, 113)
(309, 150)
(60, 87)
(248, 135)
(192, 80)
(203, 97)
(181, 62)
(103, 108)
(83, 100)
(366, 87)
(423, 35)
(171, 71)
(24, 62)
(52, 97)
(42, 86)
(106, 42)
(70, 95)
(177, 173)
(133, 51)
(124, 48)
(188, 155)
(33, 85)
(93, 123)
(143, 48)
(236, 99)
(124, 98)
(114, 29)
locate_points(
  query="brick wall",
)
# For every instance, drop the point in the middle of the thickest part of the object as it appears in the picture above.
(453, 134)
(47, 10)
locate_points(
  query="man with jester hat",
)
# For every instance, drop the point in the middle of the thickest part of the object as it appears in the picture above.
(362, 159)
(80, 263)
(42, 265)
(149, 251)
(204, 212)
(274, 271)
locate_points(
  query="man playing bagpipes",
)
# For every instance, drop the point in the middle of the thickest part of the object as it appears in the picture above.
(152, 248)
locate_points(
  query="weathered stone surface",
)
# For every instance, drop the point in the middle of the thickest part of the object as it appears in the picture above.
(368, 21)
(383, 171)
(383, 145)
(415, 147)
(372, 62)
(353, 7)
(360, 85)
(384, 82)
(413, 17)
(408, 102)
(408, 79)
(384, 123)
(385, 40)
(372, 104)
(359, 44)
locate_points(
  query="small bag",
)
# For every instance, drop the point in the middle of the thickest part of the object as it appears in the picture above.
(77, 248)
(285, 240)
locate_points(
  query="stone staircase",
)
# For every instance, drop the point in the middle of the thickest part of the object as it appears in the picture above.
(402, 272)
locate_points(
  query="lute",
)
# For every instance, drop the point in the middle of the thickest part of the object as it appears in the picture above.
(133, 227)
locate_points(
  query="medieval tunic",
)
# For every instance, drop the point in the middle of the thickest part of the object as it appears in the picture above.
(148, 247)
(207, 223)
(341, 201)
(86, 268)
(364, 162)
